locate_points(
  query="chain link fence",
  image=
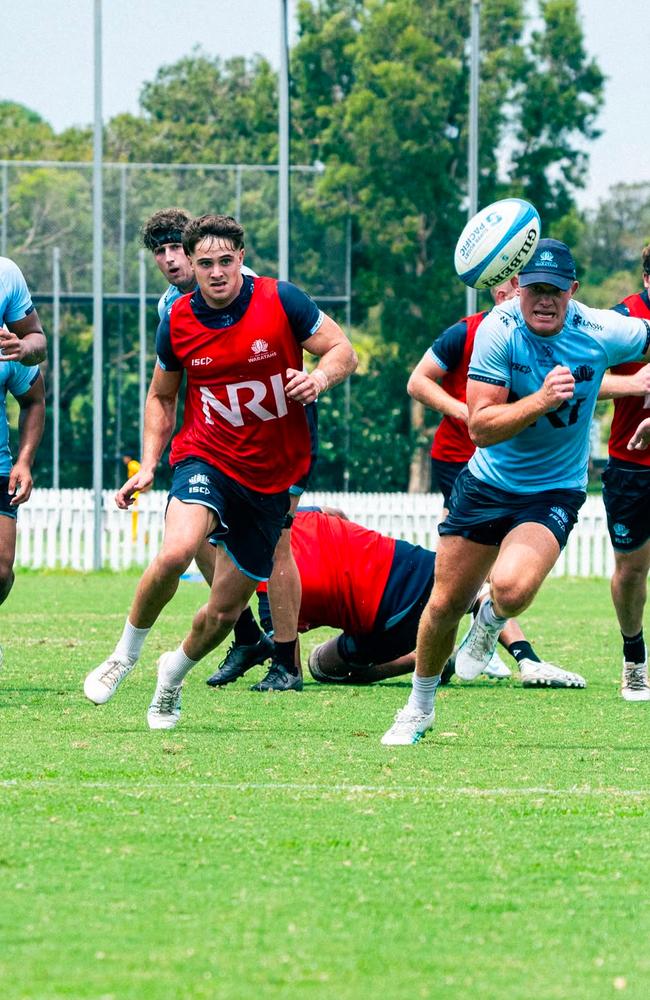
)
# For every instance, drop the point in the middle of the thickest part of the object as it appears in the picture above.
(46, 227)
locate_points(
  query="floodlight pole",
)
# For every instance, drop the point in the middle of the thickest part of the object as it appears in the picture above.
(472, 156)
(98, 295)
(283, 147)
(56, 366)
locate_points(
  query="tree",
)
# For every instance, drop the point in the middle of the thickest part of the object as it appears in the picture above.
(392, 130)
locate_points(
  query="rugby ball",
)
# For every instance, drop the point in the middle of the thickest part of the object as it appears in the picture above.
(497, 242)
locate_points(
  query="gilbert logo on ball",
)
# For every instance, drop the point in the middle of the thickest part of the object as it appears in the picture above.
(497, 242)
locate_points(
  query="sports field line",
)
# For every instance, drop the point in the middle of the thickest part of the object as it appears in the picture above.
(54, 784)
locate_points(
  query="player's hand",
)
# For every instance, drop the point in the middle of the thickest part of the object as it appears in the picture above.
(461, 412)
(559, 385)
(12, 348)
(640, 382)
(304, 387)
(20, 484)
(136, 484)
(641, 437)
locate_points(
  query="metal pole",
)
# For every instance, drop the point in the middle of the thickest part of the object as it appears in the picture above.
(98, 294)
(142, 289)
(348, 329)
(56, 365)
(283, 148)
(5, 209)
(119, 362)
(472, 164)
(238, 193)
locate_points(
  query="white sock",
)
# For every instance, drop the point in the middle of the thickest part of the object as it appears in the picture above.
(177, 666)
(131, 641)
(423, 692)
(488, 617)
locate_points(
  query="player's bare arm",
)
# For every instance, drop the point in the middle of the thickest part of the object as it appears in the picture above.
(617, 386)
(159, 423)
(492, 419)
(424, 386)
(337, 361)
(31, 421)
(24, 341)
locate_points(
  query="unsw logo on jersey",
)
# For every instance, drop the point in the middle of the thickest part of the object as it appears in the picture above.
(245, 396)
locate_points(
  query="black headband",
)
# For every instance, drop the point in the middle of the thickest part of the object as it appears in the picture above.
(169, 236)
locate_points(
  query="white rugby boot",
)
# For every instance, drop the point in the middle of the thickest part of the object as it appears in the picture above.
(634, 685)
(164, 711)
(543, 674)
(409, 727)
(497, 669)
(476, 650)
(101, 683)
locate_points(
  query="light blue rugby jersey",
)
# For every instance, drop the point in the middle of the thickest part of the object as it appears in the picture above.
(554, 452)
(15, 304)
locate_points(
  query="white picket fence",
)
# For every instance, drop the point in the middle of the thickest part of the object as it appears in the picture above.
(55, 528)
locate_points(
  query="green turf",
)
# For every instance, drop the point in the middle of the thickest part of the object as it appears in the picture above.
(270, 847)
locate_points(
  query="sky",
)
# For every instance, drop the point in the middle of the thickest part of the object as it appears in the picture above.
(46, 62)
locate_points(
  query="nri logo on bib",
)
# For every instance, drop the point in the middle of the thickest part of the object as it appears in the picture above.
(245, 396)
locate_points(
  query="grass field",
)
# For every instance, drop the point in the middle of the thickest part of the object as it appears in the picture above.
(270, 847)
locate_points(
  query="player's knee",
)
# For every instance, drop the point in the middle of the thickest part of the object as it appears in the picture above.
(446, 607)
(511, 595)
(219, 618)
(173, 561)
(6, 581)
(629, 574)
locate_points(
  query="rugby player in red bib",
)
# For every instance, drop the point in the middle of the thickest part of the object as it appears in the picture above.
(439, 381)
(626, 494)
(243, 442)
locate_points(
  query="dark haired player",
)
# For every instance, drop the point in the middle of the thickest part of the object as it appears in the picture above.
(626, 494)
(22, 347)
(244, 441)
(534, 377)
(162, 233)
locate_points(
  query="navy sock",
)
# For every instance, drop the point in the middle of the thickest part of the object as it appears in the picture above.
(523, 650)
(247, 631)
(634, 648)
(285, 655)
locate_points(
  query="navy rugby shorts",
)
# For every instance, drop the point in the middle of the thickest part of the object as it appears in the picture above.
(486, 514)
(5, 497)
(444, 475)
(626, 495)
(249, 523)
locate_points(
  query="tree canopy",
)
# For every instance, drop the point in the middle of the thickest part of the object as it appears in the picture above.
(379, 97)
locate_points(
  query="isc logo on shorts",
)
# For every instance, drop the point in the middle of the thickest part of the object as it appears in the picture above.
(240, 398)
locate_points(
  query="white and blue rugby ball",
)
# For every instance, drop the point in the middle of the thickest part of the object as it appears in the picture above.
(497, 242)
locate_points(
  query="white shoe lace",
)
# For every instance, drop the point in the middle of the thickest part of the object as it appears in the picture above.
(115, 671)
(479, 642)
(636, 678)
(166, 702)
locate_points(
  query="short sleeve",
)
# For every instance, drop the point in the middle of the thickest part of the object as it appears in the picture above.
(490, 361)
(447, 349)
(13, 289)
(305, 318)
(22, 378)
(624, 338)
(166, 357)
